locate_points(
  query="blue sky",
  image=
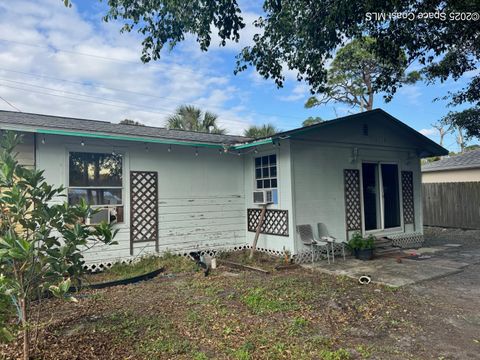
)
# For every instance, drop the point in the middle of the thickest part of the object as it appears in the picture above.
(68, 62)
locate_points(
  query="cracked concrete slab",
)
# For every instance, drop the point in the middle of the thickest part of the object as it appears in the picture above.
(395, 273)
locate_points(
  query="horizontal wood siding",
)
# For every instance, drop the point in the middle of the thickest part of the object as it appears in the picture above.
(452, 204)
(201, 203)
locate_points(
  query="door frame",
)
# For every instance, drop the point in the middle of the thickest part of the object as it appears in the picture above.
(382, 228)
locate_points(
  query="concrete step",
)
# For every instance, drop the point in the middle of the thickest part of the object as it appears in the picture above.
(387, 251)
(383, 243)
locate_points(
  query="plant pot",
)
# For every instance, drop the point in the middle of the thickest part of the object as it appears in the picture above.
(355, 253)
(364, 254)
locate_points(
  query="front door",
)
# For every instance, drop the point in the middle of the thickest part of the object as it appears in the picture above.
(381, 196)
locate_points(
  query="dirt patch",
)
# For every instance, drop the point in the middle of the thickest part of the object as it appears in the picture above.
(288, 315)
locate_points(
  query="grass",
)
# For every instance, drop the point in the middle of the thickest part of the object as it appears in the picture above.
(172, 264)
(288, 315)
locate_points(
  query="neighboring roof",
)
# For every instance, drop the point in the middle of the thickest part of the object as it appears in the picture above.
(428, 146)
(48, 123)
(468, 160)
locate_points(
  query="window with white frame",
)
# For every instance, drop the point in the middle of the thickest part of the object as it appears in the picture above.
(95, 177)
(266, 172)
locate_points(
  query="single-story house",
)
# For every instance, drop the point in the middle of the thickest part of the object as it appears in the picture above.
(180, 191)
(458, 168)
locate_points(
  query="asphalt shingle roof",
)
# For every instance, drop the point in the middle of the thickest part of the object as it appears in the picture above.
(468, 160)
(74, 124)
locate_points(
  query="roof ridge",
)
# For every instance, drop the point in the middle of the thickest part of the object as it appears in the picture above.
(119, 124)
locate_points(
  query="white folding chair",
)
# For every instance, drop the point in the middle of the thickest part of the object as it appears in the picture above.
(324, 235)
(308, 239)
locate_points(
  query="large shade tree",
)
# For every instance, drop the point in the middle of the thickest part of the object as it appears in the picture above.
(303, 35)
(191, 118)
(353, 75)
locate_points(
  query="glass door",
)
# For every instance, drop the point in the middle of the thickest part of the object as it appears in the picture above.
(381, 196)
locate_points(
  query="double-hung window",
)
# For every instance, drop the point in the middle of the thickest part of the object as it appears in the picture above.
(97, 178)
(266, 172)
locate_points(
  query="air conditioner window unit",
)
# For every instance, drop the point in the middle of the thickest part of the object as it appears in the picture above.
(262, 197)
(103, 215)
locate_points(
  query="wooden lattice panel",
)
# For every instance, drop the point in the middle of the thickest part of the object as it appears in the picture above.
(143, 207)
(407, 197)
(274, 223)
(353, 210)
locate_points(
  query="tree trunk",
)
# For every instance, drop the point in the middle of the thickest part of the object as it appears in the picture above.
(257, 233)
(460, 139)
(26, 333)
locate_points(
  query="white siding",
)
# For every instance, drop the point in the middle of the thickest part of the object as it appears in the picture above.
(201, 201)
(318, 161)
(265, 241)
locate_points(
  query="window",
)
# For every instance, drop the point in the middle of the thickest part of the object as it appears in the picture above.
(95, 177)
(266, 172)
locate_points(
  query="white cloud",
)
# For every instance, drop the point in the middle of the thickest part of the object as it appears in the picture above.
(429, 132)
(411, 93)
(36, 32)
(300, 91)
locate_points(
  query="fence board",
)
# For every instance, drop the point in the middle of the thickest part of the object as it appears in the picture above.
(452, 204)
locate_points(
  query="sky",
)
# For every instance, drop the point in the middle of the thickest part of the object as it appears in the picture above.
(67, 61)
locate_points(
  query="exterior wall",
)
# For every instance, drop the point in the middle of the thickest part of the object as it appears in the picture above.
(274, 243)
(201, 198)
(318, 179)
(445, 176)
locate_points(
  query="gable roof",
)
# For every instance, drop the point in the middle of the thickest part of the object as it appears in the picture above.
(59, 125)
(48, 124)
(427, 146)
(468, 160)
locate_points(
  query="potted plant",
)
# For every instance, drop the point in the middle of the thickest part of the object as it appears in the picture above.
(361, 247)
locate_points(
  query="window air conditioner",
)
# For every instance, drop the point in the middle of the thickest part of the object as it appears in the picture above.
(103, 215)
(262, 197)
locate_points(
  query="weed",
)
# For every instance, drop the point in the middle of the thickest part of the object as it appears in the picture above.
(297, 326)
(243, 353)
(340, 354)
(259, 301)
(364, 351)
(200, 356)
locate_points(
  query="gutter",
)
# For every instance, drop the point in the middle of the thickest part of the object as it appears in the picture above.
(254, 143)
(127, 138)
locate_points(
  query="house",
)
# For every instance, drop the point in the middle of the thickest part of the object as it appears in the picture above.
(459, 168)
(451, 191)
(179, 191)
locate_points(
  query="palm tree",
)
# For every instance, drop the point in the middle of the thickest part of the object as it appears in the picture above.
(312, 121)
(257, 132)
(191, 118)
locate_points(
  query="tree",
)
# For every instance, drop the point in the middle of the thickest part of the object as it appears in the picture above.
(130, 122)
(40, 243)
(257, 132)
(443, 129)
(468, 119)
(303, 35)
(353, 74)
(312, 121)
(191, 118)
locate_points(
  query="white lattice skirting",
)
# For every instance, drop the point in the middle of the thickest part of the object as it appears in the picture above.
(320, 254)
(103, 265)
(412, 240)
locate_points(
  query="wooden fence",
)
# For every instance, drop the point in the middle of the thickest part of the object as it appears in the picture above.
(452, 204)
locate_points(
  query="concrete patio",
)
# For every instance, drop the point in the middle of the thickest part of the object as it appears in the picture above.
(399, 270)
